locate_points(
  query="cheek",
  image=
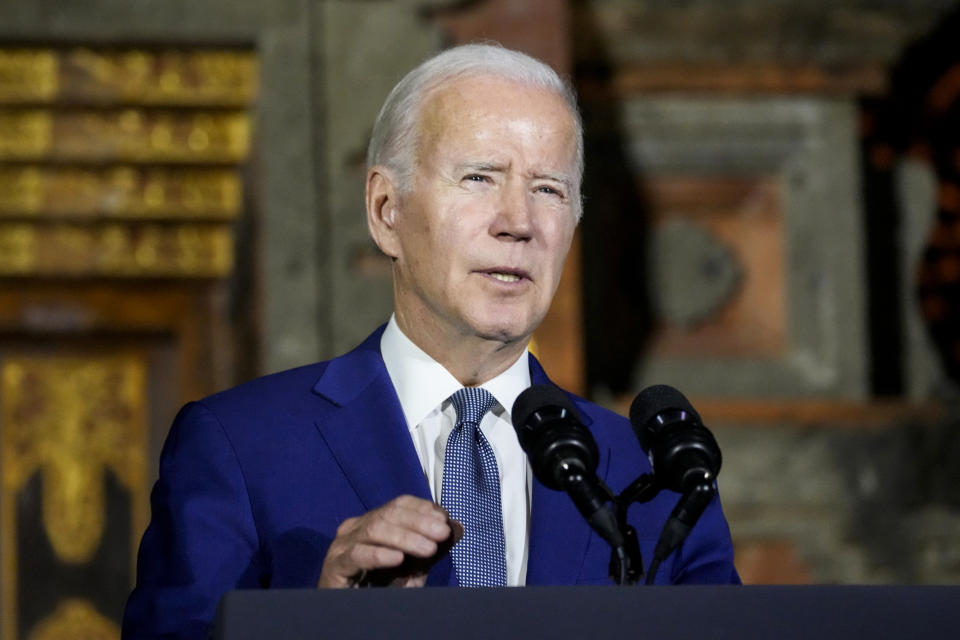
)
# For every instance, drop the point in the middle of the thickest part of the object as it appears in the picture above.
(432, 257)
(559, 236)
(453, 236)
(414, 233)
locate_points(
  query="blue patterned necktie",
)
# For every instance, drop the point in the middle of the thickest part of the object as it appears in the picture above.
(471, 494)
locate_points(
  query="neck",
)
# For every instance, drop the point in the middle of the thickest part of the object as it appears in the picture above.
(471, 359)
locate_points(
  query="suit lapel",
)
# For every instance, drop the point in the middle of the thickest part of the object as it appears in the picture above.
(369, 439)
(365, 431)
(558, 533)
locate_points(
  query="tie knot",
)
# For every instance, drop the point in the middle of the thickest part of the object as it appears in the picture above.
(472, 403)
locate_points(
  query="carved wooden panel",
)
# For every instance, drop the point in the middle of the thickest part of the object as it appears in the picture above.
(121, 191)
(74, 446)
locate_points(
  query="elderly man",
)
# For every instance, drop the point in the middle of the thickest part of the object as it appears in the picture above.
(369, 467)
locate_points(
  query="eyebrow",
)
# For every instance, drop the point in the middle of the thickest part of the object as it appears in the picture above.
(482, 166)
(555, 177)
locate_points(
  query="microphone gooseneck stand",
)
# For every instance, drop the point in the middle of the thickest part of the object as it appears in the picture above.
(689, 508)
(679, 524)
(607, 520)
(641, 490)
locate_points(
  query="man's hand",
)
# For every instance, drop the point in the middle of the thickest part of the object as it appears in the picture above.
(372, 548)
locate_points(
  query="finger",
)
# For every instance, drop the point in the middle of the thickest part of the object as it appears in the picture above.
(413, 536)
(341, 566)
(432, 522)
(418, 504)
(419, 580)
(425, 509)
(414, 570)
(365, 557)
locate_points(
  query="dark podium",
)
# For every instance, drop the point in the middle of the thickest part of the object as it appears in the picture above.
(591, 613)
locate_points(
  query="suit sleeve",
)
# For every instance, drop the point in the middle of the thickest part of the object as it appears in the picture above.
(202, 539)
(706, 556)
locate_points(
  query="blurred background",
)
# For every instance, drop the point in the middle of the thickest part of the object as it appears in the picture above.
(772, 225)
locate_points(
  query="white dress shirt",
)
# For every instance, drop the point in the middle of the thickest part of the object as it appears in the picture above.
(424, 388)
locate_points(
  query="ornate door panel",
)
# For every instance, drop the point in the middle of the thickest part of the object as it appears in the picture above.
(73, 431)
(121, 203)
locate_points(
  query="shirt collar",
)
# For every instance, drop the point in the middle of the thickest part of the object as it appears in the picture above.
(422, 384)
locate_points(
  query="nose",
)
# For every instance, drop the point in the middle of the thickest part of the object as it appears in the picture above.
(514, 215)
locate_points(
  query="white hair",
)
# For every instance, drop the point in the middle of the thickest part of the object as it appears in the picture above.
(393, 143)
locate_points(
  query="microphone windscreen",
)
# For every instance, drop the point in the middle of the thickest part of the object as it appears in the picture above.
(653, 400)
(536, 398)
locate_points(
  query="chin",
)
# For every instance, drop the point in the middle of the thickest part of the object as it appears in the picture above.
(499, 330)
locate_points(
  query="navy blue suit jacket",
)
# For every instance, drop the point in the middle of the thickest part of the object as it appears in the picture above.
(254, 482)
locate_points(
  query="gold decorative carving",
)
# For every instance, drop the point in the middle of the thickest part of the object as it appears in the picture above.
(76, 619)
(119, 192)
(18, 249)
(218, 77)
(171, 77)
(25, 133)
(21, 189)
(117, 250)
(125, 135)
(28, 75)
(132, 135)
(72, 418)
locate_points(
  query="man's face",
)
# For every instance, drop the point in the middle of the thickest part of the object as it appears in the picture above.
(481, 239)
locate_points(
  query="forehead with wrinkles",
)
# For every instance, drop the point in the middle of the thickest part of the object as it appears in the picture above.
(483, 109)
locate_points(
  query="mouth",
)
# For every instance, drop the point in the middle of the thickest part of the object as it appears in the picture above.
(505, 274)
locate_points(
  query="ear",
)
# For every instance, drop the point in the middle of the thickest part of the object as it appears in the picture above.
(383, 208)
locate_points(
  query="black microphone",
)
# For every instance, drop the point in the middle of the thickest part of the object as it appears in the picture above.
(685, 458)
(683, 452)
(564, 455)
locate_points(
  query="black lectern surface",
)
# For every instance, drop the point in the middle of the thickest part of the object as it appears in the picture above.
(592, 613)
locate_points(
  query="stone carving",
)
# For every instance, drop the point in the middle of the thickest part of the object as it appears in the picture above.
(694, 273)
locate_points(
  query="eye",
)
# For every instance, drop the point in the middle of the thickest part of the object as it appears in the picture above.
(476, 177)
(552, 191)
